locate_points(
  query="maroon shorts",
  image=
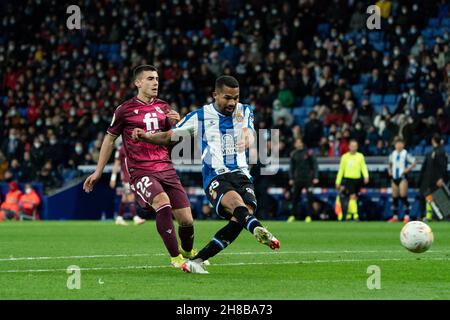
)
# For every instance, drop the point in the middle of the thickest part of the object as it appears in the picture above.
(147, 185)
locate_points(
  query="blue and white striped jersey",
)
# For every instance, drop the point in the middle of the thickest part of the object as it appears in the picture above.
(217, 135)
(399, 162)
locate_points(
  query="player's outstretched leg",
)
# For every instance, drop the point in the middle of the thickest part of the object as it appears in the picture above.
(252, 224)
(222, 239)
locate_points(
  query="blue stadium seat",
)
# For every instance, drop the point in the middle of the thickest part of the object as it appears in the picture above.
(309, 101)
(391, 107)
(297, 111)
(445, 22)
(358, 90)
(447, 148)
(417, 151)
(427, 149)
(433, 23)
(323, 29)
(114, 48)
(427, 33)
(379, 45)
(364, 79)
(390, 98)
(376, 99)
(377, 108)
(375, 36)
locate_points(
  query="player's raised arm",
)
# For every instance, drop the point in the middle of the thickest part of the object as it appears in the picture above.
(105, 153)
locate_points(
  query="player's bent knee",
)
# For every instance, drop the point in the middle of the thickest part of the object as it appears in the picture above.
(160, 200)
(184, 216)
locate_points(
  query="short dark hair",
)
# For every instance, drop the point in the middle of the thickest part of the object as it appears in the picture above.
(226, 81)
(143, 67)
(437, 138)
(399, 139)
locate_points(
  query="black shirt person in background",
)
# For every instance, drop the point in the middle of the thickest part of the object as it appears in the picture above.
(303, 174)
(433, 175)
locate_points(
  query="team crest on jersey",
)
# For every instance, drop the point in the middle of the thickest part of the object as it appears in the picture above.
(228, 146)
(159, 110)
(136, 111)
(239, 117)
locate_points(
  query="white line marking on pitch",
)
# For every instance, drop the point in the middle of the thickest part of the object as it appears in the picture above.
(224, 253)
(227, 264)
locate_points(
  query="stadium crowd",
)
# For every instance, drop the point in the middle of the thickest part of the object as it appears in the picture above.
(311, 73)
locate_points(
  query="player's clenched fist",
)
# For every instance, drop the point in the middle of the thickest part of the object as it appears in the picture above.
(137, 134)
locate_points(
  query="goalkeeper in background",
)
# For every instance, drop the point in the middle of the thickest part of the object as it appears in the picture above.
(352, 171)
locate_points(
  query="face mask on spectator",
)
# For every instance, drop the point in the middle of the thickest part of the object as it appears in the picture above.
(37, 145)
(385, 63)
(28, 190)
(415, 7)
(52, 142)
(78, 149)
(95, 119)
(39, 122)
(402, 40)
(396, 52)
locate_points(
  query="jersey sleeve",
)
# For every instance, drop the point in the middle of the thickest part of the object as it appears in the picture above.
(410, 158)
(342, 165)
(117, 123)
(250, 117)
(188, 126)
(364, 170)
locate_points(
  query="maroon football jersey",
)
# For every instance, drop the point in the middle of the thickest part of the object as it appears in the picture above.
(135, 113)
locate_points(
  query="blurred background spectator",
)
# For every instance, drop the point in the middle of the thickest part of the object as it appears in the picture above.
(318, 74)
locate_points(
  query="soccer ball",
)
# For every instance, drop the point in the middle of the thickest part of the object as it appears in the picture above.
(416, 236)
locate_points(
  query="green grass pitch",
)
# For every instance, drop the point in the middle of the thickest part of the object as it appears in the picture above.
(320, 260)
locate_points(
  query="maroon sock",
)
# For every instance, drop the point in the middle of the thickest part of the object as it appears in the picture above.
(121, 209)
(132, 208)
(186, 234)
(164, 224)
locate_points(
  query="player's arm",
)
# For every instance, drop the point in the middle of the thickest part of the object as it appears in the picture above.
(291, 169)
(315, 168)
(340, 174)
(164, 138)
(105, 153)
(412, 163)
(390, 166)
(364, 170)
(115, 170)
(248, 135)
